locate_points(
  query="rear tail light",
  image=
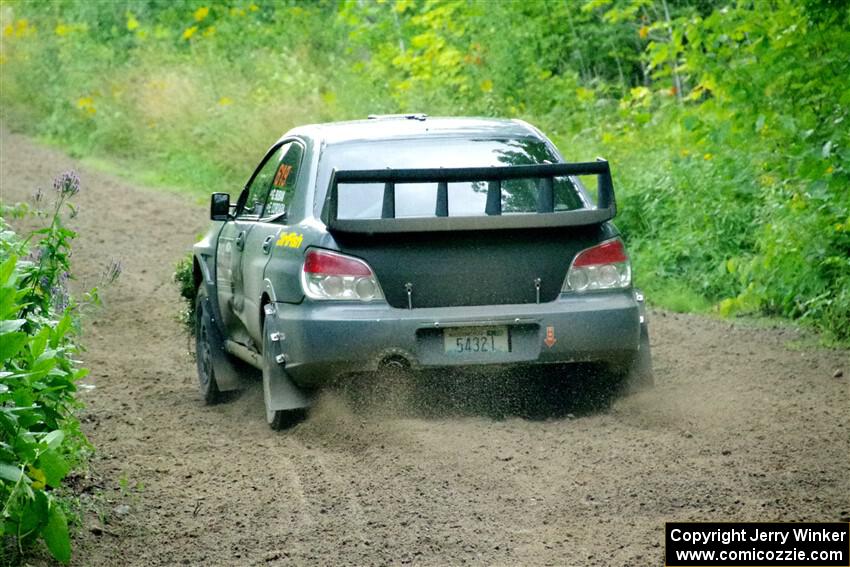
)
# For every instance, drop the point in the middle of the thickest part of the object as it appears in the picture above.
(604, 266)
(331, 275)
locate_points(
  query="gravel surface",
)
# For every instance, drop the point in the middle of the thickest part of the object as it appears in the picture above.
(476, 471)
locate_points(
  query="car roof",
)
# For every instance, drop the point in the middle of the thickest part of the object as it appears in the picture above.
(414, 126)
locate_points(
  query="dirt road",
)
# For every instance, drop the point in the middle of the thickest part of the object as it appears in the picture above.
(739, 427)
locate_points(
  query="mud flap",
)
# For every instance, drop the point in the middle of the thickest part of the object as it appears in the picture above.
(227, 375)
(640, 375)
(281, 393)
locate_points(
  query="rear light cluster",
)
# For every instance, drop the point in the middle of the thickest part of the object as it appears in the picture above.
(330, 275)
(604, 266)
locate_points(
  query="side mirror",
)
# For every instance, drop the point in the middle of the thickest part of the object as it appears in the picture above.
(220, 206)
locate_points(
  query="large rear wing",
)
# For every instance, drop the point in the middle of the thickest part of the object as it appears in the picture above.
(545, 216)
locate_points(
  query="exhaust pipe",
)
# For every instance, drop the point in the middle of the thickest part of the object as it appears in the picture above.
(394, 363)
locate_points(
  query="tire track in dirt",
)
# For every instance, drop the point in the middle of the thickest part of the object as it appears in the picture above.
(740, 427)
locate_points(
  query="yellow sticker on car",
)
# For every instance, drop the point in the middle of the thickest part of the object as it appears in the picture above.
(290, 239)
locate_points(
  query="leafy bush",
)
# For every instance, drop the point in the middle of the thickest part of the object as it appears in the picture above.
(40, 439)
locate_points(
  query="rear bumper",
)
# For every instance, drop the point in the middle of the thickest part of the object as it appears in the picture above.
(322, 341)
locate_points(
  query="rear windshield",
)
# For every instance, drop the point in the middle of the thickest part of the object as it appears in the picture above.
(365, 200)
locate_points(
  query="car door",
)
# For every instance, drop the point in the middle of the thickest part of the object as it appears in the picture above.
(233, 241)
(253, 234)
(266, 235)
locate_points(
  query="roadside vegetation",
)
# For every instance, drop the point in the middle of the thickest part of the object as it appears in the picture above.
(727, 123)
(40, 437)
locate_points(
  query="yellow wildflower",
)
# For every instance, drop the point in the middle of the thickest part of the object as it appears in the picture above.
(707, 157)
(22, 29)
(225, 101)
(584, 94)
(643, 32)
(9, 30)
(402, 5)
(201, 13)
(209, 31)
(486, 85)
(62, 30)
(830, 169)
(189, 32)
(237, 12)
(132, 22)
(253, 7)
(86, 104)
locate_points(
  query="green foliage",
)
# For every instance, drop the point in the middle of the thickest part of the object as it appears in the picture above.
(730, 154)
(184, 277)
(40, 438)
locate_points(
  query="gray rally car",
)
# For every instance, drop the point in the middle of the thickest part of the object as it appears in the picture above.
(416, 242)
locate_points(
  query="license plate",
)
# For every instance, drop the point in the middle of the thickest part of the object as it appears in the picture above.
(476, 340)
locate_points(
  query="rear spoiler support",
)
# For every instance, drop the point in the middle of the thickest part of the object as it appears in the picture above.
(493, 219)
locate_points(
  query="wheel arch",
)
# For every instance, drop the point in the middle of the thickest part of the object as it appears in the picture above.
(265, 299)
(197, 274)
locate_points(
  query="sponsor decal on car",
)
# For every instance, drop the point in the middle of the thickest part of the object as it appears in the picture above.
(282, 175)
(290, 239)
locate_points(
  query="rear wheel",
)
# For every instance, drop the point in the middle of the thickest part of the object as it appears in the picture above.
(205, 343)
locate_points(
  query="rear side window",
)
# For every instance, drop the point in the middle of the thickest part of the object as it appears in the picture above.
(283, 183)
(420, 199)
(258, 189)
(270, 192)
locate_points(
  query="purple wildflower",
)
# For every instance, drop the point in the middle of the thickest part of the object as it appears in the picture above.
(67, 183)
(60, 298)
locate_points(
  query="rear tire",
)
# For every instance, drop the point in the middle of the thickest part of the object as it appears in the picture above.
(278, 420)
(206, 341)
(640, 376)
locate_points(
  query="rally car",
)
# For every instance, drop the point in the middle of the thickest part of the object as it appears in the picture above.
(413, 242)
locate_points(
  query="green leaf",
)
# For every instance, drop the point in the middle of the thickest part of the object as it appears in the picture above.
(7, 268)
(39, 343)
(34, 513)
(60, 330)
(11, 345)
(7, 301)
(11, 325)
(53, 439)
(55, 534)
(54, 466)
(10, 472)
